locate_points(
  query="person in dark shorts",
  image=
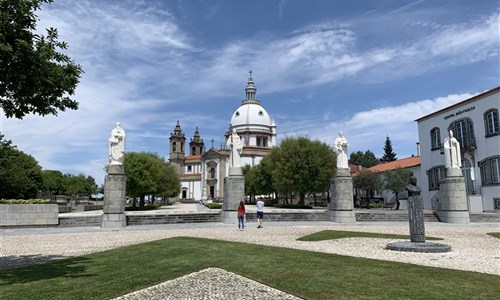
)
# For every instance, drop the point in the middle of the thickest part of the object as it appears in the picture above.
(260, 213)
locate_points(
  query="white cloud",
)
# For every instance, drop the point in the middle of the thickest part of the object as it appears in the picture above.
(367, 130)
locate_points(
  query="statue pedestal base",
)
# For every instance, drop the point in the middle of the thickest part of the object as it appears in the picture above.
(113, 221)
(453, 200)
(341, 208)
(114, 198)
(234, 192)
(416, 218)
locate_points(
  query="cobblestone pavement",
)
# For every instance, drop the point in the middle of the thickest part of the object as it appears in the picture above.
(472, 248)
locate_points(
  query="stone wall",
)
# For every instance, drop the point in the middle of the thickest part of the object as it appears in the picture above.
(29, 215)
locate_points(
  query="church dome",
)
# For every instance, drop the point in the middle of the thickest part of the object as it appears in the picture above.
(251, 115)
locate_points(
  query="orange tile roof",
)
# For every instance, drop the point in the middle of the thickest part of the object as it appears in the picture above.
(193, 157)
(400, 163)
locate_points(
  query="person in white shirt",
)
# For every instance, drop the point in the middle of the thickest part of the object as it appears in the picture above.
(260, 213)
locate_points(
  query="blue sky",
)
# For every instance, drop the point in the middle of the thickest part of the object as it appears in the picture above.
(366, 68)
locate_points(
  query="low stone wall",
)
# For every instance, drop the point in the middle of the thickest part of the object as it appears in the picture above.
(29, 215)
(290, 216)
(67, 221)
(173, 218)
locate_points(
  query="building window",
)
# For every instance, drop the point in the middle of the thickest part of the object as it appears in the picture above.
(435, 139)
(434, 175)
(261, 141)
(212, 173)
(491, 122)
(193, 151)
(189, 168)
(463, 130)
(490, 170)
(174, 146)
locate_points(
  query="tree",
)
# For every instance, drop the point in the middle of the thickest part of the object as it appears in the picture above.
(34, 77)
(365, 159)
(389, 154)
(302, 166)
(395, 181)
(20, 173)
(258, 180)
(79, 184)
(369, 181)
(149, 174)
(53, 181)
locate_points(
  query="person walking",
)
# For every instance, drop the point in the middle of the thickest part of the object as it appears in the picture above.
(241, 216)
(260, 213)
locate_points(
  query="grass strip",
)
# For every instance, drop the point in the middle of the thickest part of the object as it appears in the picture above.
(339, 234)
(494, 234)
(309, 275)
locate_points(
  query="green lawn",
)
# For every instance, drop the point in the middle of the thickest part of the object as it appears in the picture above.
(339, 234)
(309, 275)
(494, 234)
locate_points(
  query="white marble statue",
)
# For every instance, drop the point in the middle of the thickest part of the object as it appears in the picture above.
(452, 158)
(235, 145)
(341, 146)
(116, 145)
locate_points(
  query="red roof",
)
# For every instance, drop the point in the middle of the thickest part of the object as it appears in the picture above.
(459, 103)
(193, 157)
(400, 163)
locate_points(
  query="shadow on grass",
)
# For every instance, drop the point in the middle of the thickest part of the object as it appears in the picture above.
(46, 267)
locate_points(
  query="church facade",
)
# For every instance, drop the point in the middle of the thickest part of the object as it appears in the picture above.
(202, 171)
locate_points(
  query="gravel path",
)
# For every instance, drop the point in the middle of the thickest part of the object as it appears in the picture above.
(472, 249)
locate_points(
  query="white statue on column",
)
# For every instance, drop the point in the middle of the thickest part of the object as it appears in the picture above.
(116, 145)
(236, 146)
(341, 146)
(452, 158)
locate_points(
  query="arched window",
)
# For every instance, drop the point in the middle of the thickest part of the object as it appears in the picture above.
(490, 170)
(463, 130)
(435, 139)
(212, 172)
(174, 146)
(193, 151)
(491, 122)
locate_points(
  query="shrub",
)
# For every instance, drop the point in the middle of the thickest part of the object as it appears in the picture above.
(21, 201)
(146, 207)
(214, 205)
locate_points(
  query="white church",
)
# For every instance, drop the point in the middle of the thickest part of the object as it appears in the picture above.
(202, 171)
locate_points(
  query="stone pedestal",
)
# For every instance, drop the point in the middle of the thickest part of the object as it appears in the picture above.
(234, 192)
(114, 198)
(416, 218)
(453, 199)
(341, 208)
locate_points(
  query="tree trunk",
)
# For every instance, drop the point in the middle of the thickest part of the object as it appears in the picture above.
(141, 201)
(302, 197)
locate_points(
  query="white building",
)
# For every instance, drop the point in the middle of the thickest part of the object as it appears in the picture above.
(202, 172)
(475, 124)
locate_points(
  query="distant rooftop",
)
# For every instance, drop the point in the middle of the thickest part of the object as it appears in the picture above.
(400, 163)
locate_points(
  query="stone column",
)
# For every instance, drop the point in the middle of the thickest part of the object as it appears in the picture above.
(114, 198)
(234, 192)
(453, 198)
(341, 208)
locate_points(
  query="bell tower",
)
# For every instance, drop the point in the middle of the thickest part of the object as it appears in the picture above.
(177, 153)
(196, 144)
